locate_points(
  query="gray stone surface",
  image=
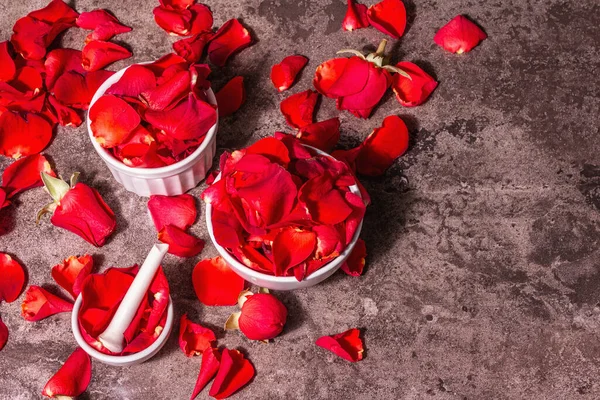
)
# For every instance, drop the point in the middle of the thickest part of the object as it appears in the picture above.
(483, 274)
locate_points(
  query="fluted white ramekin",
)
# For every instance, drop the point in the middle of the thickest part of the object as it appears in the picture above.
(171, 180)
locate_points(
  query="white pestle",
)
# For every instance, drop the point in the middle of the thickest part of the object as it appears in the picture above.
(112, 338)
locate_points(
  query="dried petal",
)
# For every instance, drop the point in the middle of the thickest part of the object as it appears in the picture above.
(211, 359)
(231, 96)
(356, 16)
(73, 378)
(323, 135)
(97, 54)
(298, 109)
(235, 371)
(104, 25)
(284, 74)
(174, 22)
(355, 263)
(263, 317)
(39, 304)
(291, 247)
(414, 91)
(460, 35)
(388, 16)
(22, 136)
(8, 65)
(229, 39)
(194, 339)
(179, 211)
(24, 174)
(112, 120)
(59, 61)
(3, 334)
(382, 147)
(71, 273)
(215, 283)
(135, 80)
(181, 243)
(12, 278)
(347, 345)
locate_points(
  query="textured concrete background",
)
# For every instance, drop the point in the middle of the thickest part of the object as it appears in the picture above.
(483, 271)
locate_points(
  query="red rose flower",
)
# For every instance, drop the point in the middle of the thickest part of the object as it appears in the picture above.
(262, 316)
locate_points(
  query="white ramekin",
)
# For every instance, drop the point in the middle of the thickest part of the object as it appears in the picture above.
(286, 282)
(122, 361)
(171, 180)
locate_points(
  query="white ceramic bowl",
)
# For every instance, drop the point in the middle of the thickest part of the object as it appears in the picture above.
(285, 282)
(171, 180)
(130, 359)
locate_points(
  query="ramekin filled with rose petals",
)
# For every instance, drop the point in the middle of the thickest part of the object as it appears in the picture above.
(100, 297)
(282, 214)
(154, 125)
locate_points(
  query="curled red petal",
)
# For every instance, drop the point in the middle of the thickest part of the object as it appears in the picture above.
(3, 334)
(355, 264)
(262, 317)
(325, 203)
(235, 372)
(39, 304)
(352, 80)
(104, 25)
(24, 174)
(56, 11)
(328, 73)
(170, 91)
(135, 80)
(323, 135)
(253, 259)
(229, 39)
(356, 17)
(347, 345)
(22, 136)
(73, 378)
(271, 148)
(211, 359)
(361, 104)
(460, 35)
(112, 120)
(8, 70)
(159, 300)
(12, 278)
(194, 339)
(291, 247)
(173, 21)
(298, 109)
(181, 243)
(71, 273)
(388, 16)
(179, 211)
(329, 241)
(97, 54)
(162, 64)
(59, 61)
(231, 96)
(192, 48)
(284, 74)
(414, 91)
(202, 19)
(27, 79)
(66, 116)
(382, 147)
(215, 283)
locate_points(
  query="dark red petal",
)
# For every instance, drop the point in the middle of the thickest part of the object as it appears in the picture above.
(8, 70)
(194, 339)
(66, 116)
(179, 211)
(323, 135)
(104, 25)
(71, 273)
(192, 48)
(347, 345)
(328, 73)
(382, 147)
(12, 278)
(356, 17)
(39, 304)
(355, 263)
(24, 174)
(174, 22)
(284, 74)
(202, 19)
(414, 91)
(291, 247)
(22, 136)
(4, 334)
(215, 283)
(3, 200)
(363, 102)
(211, 359)
(460, 35)
(73, 378)
(388, 16)
(112, 120)
(27, 79)
(271, 148)
(235, 371)
(298, 109)
(59, 61)
(135, 80)
(181, 243)
(97, 54)
(229, 39)
(231, 96)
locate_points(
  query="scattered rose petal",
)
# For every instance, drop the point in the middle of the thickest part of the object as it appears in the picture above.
(12, 278)
(39, 304)
(231, 97)
(215, 283)
(71, 273)
(173, 21)
(97, 54)
(179, 211)
(112, 120)
(229, 39)
(355, 263)
(382, 147)
(235, 372)
(3, 334)
(414, 91)
(323, 135)
(27, 79)
(211, 359)
(23, 136)
(460, 35)
(8, 65)
(284, 74)
(202, 19)
(24, 174)
(389, 17)
(194, 339)
(192, 48)
(356, 17)
(66, 116)
(104, 25)
(347, 345)
(177, 4)
(72, 379)
(291, 247)
(59, 61)
(181, 243)
(298, 109)
(75, 90)
(3, 200)
(262, 317)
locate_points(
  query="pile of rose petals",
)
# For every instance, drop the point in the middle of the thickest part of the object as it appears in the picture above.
(283, 210)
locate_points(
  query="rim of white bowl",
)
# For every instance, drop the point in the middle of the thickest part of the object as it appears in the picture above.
(146, 172)
(164, 335)
(333, 264)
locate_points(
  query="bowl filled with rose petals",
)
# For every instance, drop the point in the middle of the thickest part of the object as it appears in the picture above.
(154, 125)
(282, 214)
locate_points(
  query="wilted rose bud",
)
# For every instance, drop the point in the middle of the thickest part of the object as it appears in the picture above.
(262, 317)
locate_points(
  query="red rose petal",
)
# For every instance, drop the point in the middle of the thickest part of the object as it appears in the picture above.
(27, 79)
(356, 17)
(335, 78)
(382, 147)
(159, 288)
(170, 92)
(355, 264)
(159, 66)
(135, 80)
(291, 247)
(361, 104)
(179, 211)
(192, 48)
(12, 278)
(3, 334)
(295, 149)
(174, 22)
(24, 174)
(8, 65)
(323, 135)
(262, 317)
(347, 345)
(177, 4)
(55, 11)
(22, 136)
(181, 243)
(39, 304)
(3, 201)
(388, 16)
(229, 39)
(235, 371)
(298, 109)
(356, 216)
(194, 339)
(329, 241)
(460, 35)
(253, 259)
(112, 120)
(271, 148)
(231, 97)
(66, 116)
(325, 203)
(104, 25)
(71, 90)
(71, 273)
(202, 19)
(59, 61)
(414, 91)
(73, 378)
(215, 283)
(97, 54)
(284, 74)
(328, 73)
(211, 359)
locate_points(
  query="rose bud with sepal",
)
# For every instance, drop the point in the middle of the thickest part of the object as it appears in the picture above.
(262, 316)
